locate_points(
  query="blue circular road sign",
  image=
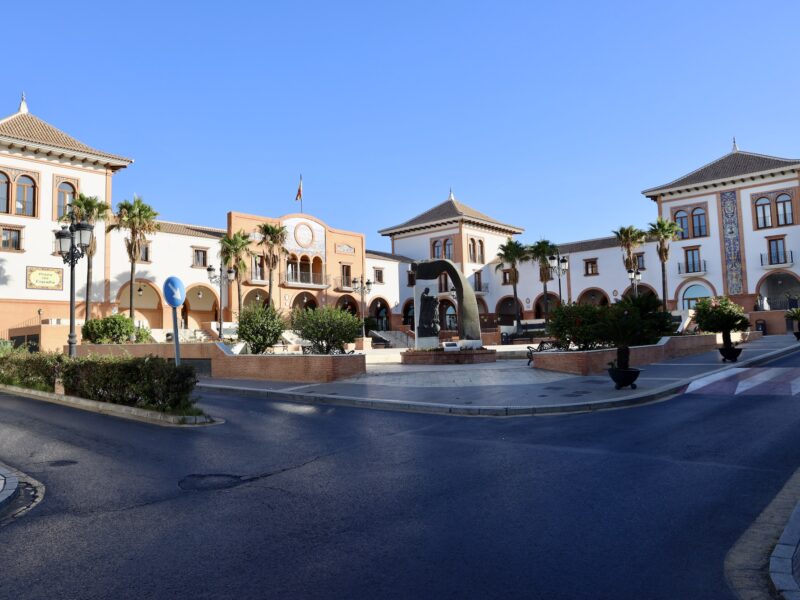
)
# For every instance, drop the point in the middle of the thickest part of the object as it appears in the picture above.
(174, 291)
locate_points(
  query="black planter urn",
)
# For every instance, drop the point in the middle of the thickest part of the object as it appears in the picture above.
(624, 377)
(730, 353)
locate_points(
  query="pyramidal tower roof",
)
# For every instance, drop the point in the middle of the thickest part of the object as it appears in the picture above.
(735, 164)
(27, 131)
(451, 210)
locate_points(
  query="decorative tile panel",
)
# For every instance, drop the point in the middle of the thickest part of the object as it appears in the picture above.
(733, 250)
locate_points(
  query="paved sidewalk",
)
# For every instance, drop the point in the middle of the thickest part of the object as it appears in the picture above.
(504, 388)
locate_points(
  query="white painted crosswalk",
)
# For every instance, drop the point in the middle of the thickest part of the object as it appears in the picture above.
(775, 381)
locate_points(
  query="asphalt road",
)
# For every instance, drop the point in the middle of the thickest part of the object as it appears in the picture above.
(290, 501)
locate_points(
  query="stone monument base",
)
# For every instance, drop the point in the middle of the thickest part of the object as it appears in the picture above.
(435, 357)
(426, 343)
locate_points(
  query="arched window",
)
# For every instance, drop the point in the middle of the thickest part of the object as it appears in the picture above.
(694, 293)
(480, 251)
(3, 193)
(436, 250)
(682, 221)
(783, 206)
(699, 228)
(472, 248)
(66, 194)
(292, 269)
(26, 197)
(763, 213)
(448, 249)
(450, 318)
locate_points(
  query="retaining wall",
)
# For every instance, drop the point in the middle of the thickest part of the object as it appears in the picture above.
(592, 362)
(290, 367)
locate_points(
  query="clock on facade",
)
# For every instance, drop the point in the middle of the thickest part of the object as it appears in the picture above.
(303, 235)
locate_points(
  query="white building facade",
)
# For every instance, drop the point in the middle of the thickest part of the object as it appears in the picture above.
(739, 216)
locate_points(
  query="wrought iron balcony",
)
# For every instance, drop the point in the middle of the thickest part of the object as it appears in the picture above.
(696, 267)
(343, 284)
(305, 279)
(481, 288)
(777, 259)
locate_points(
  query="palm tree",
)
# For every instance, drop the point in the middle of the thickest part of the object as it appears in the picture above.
(139, 219)
(273, 237)
(663, 231)
(234, 252)
(629, 239)
(540, 252)
(511, 254)
(92, 210)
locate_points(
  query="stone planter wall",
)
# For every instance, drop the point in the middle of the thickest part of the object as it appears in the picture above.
(462, 357)
(307, 368)
(592, 362)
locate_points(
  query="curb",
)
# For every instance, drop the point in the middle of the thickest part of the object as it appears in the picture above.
(10, 485)
(106, 408)
(489, 411)
(785, 559)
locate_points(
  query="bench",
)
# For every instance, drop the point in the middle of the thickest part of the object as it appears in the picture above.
(541, 347)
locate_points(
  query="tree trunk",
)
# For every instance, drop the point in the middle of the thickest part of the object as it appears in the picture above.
(238, 295)
(269, 285)
(516, 305)
(88, 287)
(664, 284)
(546, 303)
(623, 357)
(130, 291)
(726, 339)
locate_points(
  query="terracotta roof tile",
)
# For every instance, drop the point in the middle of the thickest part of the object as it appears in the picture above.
(388, 256)
(27, 128)
(190, 230)
(733, 164)
(450, 209)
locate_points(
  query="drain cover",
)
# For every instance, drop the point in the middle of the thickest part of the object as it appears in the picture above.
(218, 481)
(62, 463)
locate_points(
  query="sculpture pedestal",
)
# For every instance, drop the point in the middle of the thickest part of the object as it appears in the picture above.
(426, 343)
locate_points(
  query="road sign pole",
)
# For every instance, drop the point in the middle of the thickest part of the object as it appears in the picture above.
(175, 336)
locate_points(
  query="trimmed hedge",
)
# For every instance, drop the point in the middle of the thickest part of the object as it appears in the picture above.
(36, 371)
(114, 329)
(150, 382)
(328, 329)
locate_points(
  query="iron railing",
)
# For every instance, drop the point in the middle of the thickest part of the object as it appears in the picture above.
(298, 278)
(777, 258)
(697, 266)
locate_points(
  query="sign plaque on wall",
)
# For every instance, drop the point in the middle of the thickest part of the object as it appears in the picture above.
(44, 278)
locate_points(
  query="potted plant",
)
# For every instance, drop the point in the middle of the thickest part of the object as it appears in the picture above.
(621, 327)
(794, 315)
(721, 315)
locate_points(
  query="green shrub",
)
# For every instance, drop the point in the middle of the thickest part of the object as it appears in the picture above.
(37, 371)
(577, 324)
(260, 326)
(720, 315)
(634, 322)
(143, 335)
(115, 329)
(152, 383)
(328, 329)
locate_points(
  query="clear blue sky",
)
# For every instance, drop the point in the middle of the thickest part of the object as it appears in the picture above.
(550, 116)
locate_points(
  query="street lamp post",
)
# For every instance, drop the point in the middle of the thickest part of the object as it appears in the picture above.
(635, 276)
(559, 265)
(213, 277)
(72, 241)
(362, 287)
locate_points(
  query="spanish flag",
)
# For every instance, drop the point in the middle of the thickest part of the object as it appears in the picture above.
(299, 196)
